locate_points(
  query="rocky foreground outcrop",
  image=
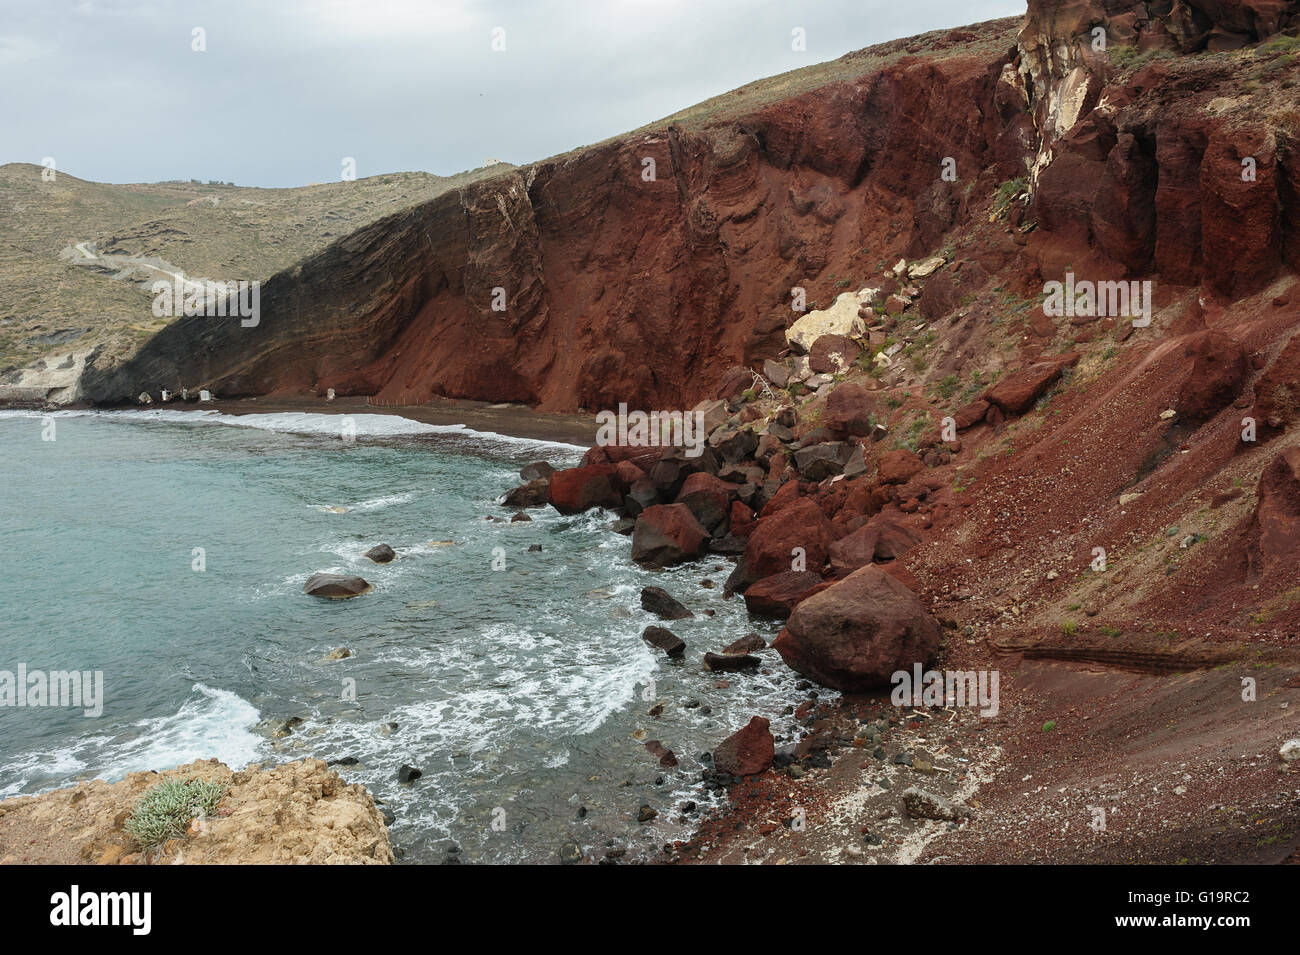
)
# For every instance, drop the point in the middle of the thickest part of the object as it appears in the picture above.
(300, 812)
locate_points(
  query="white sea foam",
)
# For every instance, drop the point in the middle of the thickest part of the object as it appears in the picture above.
(306, 422)
(212, 722)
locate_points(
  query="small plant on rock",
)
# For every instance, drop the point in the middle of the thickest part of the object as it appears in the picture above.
(165, 811)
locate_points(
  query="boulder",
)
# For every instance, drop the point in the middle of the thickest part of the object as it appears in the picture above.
(840, 319)
(665, 640)
(832, 354)
(381, 554)
(708, 498)
(730, 662)
(855, 550)
(894, 539)
(575, 490)
(336, 586)
(749, 643)
(776, 596)
(734, 444)
(662, 753)
(1219, 368)
(664, 605)
(532, 494)
(1017, 393)
(898, 466)
(772, 544)
(742, 519)
(777, 372)
(712, 414)
(667, 534)
(921, 804)
(747, 751)
(969, 415)
(642, 494)
(849, 411)
(820, 461)
(734, 381)
(538, 470)
(855, 634)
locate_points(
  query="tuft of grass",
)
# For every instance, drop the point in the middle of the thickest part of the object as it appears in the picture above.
(165, 811)
(1068, 627)
(1049, 726)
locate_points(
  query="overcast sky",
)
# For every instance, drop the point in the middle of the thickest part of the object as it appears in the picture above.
(113, 90)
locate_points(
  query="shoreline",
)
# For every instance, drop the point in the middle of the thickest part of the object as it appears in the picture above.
(510, 420)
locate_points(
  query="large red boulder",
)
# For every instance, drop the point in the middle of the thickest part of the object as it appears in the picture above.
(747, 751)
(742, 519)
(667, 534)
(786, 494)
(831, 354)
(898, 467)
(848, 411)
(881, 538)
(1017, 393)
(708, 497)
(969, 415)
(574, 490)
(1219, 368)
(772, 544)
(855, 634)
(778, 595)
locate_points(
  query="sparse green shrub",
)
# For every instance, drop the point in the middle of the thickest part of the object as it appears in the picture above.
(165, 811)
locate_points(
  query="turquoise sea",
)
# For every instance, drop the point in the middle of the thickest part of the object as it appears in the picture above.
(168, 549)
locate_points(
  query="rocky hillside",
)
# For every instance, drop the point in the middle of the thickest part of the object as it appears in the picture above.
(294, 813)
(1101, 506)
(615, 288)
(77, 257)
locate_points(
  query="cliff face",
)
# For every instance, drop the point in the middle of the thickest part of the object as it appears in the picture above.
(616, 287)
(1185, 166)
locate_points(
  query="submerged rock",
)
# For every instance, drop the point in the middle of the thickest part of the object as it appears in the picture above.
(665, 640)
(728, 662)
(661, 603)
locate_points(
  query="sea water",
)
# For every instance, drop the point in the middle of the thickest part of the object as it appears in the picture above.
(168, 549)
